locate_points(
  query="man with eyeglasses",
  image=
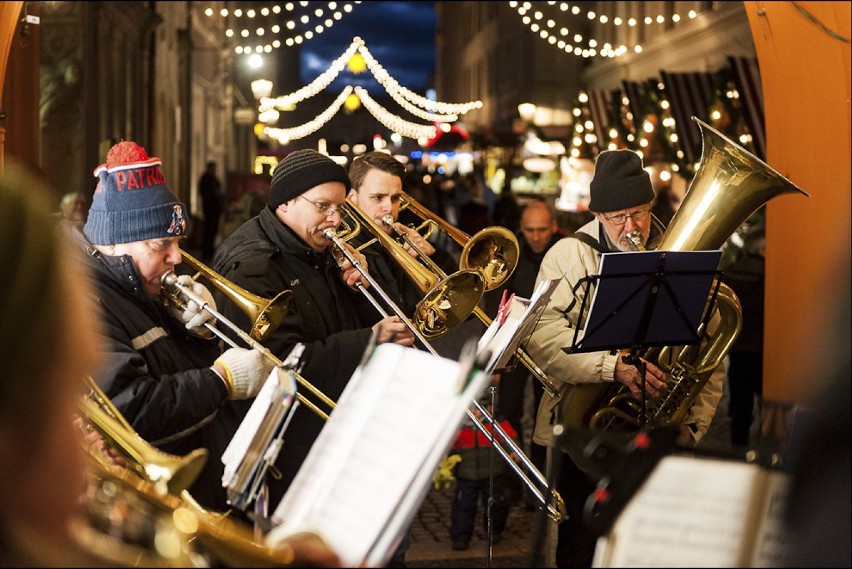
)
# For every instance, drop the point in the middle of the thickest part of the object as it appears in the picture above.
(284, 248)
(164, 370)
(621, 196)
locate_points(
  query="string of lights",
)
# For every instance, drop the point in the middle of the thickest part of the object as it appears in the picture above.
(316, 21)
(392, 121)
(449, 111)
(323, 80)
(619, 21)
(285, 135)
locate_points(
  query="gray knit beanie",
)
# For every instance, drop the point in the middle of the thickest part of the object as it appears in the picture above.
(302, 170)
(132, 201)
(619, 182)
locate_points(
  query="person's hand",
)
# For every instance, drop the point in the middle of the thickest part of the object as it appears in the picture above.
(392, 329)
(351, 275)
(308, 549)
(243, 371)
(190, 312)
(93, 439)
(414, 236)
(629, 376)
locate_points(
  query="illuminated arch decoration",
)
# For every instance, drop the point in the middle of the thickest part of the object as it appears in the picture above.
(437, 112)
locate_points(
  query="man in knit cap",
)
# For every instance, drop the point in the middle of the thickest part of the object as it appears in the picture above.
(285, 248)
(163, 368)
(621, 196)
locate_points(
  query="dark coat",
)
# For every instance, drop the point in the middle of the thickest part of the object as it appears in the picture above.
(265, 257)
(158, 376)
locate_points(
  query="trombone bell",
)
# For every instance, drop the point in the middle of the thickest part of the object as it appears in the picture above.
(265, 314)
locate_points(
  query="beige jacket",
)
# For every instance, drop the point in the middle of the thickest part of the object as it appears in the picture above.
(571, 260)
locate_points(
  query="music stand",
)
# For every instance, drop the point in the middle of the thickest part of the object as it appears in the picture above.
(646, 299)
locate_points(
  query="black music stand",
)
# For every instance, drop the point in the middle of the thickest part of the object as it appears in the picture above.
(646, 299)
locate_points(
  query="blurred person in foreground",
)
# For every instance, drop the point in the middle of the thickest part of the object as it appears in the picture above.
(48, 341)
(285, 248)
(621, 196)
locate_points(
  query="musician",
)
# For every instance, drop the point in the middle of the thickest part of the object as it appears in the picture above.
(163, 369)
(377, 180)
(284, 247)
(621, 196)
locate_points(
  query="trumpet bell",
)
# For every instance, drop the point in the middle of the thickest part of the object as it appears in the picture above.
(449, 303)
(494, 251)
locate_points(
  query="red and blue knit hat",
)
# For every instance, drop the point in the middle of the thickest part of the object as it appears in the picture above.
(132, 201)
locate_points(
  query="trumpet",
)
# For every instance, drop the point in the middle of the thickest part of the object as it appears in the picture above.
(175, 292)
(448, 300)
(493, 251)
(555, 506)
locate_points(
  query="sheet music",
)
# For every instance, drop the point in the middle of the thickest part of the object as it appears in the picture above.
(277, 386)
(387, 434)
(503, 339)
(694, 512)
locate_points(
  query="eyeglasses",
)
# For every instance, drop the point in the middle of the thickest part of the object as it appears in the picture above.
(325, 209)
(621, 218)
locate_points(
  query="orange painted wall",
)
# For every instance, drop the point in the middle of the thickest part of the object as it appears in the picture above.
(806, 89)
(9, 12)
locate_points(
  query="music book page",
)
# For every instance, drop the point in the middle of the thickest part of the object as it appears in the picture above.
(502, 339)
(372, 464)
(699, 512)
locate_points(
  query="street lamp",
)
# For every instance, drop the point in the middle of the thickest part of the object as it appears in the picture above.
(261, 88)
(527, 112)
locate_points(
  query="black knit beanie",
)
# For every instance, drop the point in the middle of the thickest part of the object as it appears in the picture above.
(302, 170)
(619, 182)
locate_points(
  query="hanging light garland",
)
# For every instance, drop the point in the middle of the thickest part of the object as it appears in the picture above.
(313, 21)
(560, 36)
(392, 121)
(285, 135)
(407, 99)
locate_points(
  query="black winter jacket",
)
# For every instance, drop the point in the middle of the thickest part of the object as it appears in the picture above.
(158, 376)
(265, 257)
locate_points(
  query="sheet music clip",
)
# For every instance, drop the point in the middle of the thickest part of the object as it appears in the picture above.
(255, 446)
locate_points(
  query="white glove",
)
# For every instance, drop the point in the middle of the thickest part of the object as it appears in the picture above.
(245, 371)
(191, 313)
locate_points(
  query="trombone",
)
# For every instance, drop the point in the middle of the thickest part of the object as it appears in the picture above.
(493, 251)
(449, 299)
(270, 312)
(556, 506)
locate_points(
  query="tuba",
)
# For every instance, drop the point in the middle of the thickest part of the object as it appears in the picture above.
(729, 186)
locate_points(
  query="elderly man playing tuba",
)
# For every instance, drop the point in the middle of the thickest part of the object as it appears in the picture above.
(621, 196)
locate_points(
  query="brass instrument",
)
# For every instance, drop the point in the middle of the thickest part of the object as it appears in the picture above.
(729, 186)
(130, 522)
(173, 291)
(265, 314)
(448, 300)
(167, 474)
(556, 506)
(495, 252)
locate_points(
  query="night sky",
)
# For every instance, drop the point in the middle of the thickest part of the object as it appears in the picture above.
(399, 35)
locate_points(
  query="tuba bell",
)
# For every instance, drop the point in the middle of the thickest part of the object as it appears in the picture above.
(729, 186)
